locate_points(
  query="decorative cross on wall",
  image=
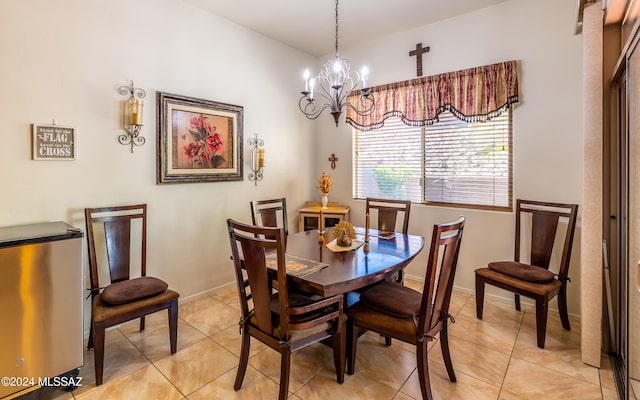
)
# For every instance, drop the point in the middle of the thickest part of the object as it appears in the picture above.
(333, 160)
(418, 52)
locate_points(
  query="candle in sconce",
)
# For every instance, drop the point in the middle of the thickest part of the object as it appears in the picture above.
(261, 163)
(136, 112)
(366, 228)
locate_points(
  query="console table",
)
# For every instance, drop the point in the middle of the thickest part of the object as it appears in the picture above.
(309, 215)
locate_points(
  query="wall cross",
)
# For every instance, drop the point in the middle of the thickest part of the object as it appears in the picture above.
(333, 160)
(418, 52)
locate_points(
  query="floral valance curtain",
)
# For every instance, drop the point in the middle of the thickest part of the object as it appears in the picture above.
(474, 94)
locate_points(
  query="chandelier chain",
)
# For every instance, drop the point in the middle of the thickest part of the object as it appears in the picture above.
(336, 27)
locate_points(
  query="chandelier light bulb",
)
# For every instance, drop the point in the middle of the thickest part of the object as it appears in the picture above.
(365, 73)
(312, 82)
(306, 80)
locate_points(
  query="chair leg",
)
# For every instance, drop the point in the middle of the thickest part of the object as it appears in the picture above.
(141, 323)
(387, 341)
(244, 360)
(400, 278)
(352, 336)
(98, 352)
(173, 325)
(562, 307)
(516, 297)
(423, 370)
(90, 341)
(446, 355)
(339, 353)
(479, 296)
(285, 368)
(542, 309)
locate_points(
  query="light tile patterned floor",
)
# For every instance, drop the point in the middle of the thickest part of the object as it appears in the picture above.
(494, 359)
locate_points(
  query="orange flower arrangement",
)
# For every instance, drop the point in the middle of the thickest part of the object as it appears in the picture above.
(324, 183)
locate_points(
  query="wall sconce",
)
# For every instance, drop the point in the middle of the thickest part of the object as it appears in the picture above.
(257, 159)
(132, 122)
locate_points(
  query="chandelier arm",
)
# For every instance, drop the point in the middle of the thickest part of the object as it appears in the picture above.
(349, 86)
(310, 110)
(325, 92)
(367, 102)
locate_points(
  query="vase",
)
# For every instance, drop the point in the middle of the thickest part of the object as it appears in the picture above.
(325, 200)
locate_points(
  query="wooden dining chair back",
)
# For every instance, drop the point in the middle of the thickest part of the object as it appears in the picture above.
(283, 320)
(116, 238)
(389, 215)
(396, 311)
(271, 213)
(531, 277)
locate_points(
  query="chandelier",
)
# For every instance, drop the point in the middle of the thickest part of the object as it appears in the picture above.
(331, 87)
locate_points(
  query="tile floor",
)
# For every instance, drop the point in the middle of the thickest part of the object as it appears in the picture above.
(495, 358)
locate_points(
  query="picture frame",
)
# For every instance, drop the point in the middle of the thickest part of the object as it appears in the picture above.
(53, 142)
(198, 140)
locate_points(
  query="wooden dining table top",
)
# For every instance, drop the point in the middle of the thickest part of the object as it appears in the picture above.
(354, 269)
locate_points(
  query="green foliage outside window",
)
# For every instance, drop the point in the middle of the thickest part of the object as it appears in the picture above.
(391, 179)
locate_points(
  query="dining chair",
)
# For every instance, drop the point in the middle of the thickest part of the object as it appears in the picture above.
(385, 214)
(284, 320)
(271, 213)
(533, 278)
(396, 311)
(119, 293)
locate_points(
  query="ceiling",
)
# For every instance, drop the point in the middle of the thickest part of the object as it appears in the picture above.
(309, 25)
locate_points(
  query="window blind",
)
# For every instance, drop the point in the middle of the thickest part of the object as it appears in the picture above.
(388, 162)
(451, 162)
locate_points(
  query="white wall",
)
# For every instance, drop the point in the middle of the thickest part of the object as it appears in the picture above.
(66, 59)
(547, 123)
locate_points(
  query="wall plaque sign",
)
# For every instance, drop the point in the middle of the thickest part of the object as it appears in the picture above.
(53, 142)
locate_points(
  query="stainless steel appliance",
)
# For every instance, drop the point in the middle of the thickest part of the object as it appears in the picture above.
(40, 305)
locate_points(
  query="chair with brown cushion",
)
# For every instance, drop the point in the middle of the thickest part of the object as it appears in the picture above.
(284, 320)
(125, 295)
(533, 278)
(385, 213)
(271, 213)
(396, 311)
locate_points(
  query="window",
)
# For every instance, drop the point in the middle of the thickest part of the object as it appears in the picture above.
(451, 162)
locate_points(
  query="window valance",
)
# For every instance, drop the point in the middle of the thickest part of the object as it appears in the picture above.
(474, 94)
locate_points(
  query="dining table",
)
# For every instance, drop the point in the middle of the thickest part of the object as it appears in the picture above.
(345, 271)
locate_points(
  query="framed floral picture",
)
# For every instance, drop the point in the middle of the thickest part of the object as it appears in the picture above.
(198, 140)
